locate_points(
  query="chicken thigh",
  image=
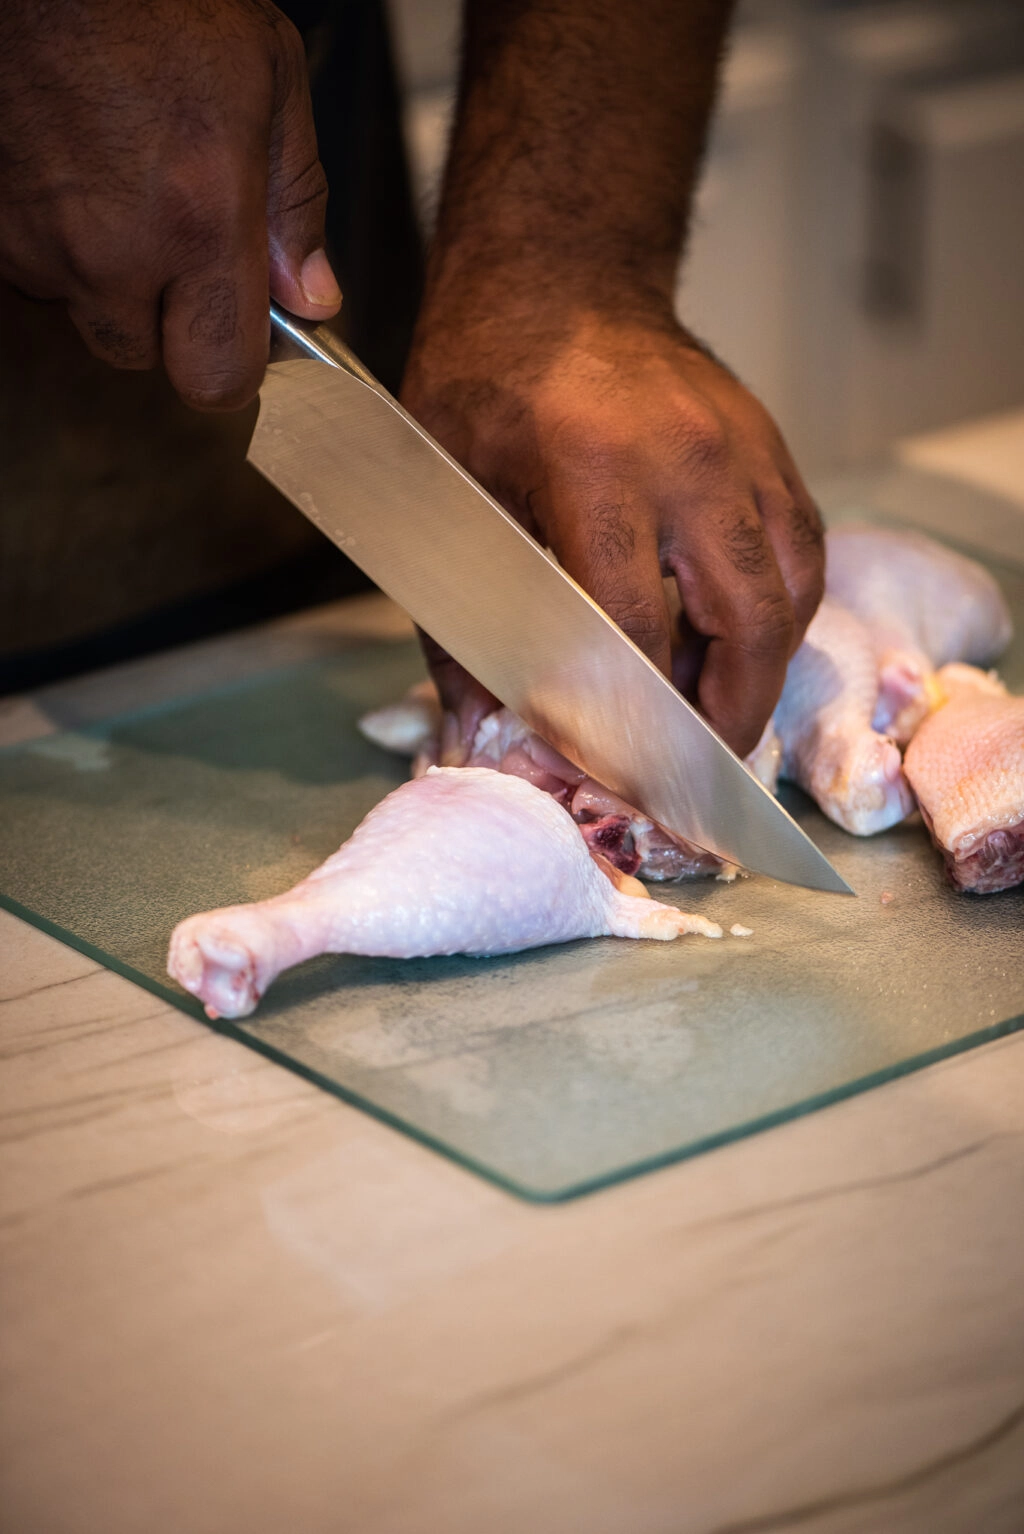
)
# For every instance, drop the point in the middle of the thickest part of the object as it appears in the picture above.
(460, 860)
(966, 766)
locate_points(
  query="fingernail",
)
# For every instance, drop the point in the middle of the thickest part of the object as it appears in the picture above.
(319, 283)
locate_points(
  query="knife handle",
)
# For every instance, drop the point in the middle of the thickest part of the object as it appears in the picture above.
(292, 337)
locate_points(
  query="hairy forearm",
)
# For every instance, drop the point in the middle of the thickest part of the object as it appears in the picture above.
(549, 361)
(578, 139)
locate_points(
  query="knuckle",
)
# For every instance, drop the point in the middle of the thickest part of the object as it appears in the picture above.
(221, 204)
(117, 344)
(798, 539)
(746, 545)
(637, 617)
(770, 624)
(806, 564)
(196, 236)
(703, 442)
(97, 260)
(594, 449)
(808, 590)
(806, 529)
(214, 320)
(205, 201)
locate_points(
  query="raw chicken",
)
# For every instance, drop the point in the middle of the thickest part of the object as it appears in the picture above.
(460, 860)
(609, 825)
(966, 766)
(824, 725)
(898, 605)
(628, 839)
(925, 606)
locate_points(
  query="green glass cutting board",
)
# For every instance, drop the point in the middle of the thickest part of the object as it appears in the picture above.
(552, 1072)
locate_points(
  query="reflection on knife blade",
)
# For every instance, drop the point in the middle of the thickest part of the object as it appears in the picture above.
(347, 454)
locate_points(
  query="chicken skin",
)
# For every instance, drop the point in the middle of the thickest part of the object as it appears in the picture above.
(898, 605)
(457, 861)
(966, 766)
(627, 838)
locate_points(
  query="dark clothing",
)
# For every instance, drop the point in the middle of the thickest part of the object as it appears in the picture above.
(128, 523)
(372, 233)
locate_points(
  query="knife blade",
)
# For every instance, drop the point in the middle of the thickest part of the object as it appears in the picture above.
(335, 442)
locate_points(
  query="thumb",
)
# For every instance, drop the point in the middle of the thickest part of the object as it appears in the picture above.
(301, 278)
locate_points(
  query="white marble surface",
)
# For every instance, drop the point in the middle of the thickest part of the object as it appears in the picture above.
(232, 1303)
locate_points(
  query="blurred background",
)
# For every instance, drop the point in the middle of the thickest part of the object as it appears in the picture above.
(857, 253)
(856, 256)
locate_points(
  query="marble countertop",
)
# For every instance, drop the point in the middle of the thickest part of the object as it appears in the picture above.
(232, 1302)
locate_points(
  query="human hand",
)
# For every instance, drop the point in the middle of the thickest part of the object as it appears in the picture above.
(159, 174)
(629, 451)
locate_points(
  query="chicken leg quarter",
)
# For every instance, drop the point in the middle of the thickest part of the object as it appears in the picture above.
(461, 860)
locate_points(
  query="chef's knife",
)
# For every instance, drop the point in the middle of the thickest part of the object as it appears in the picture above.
(335, 442)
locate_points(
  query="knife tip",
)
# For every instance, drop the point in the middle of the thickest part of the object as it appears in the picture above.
(827, 878)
